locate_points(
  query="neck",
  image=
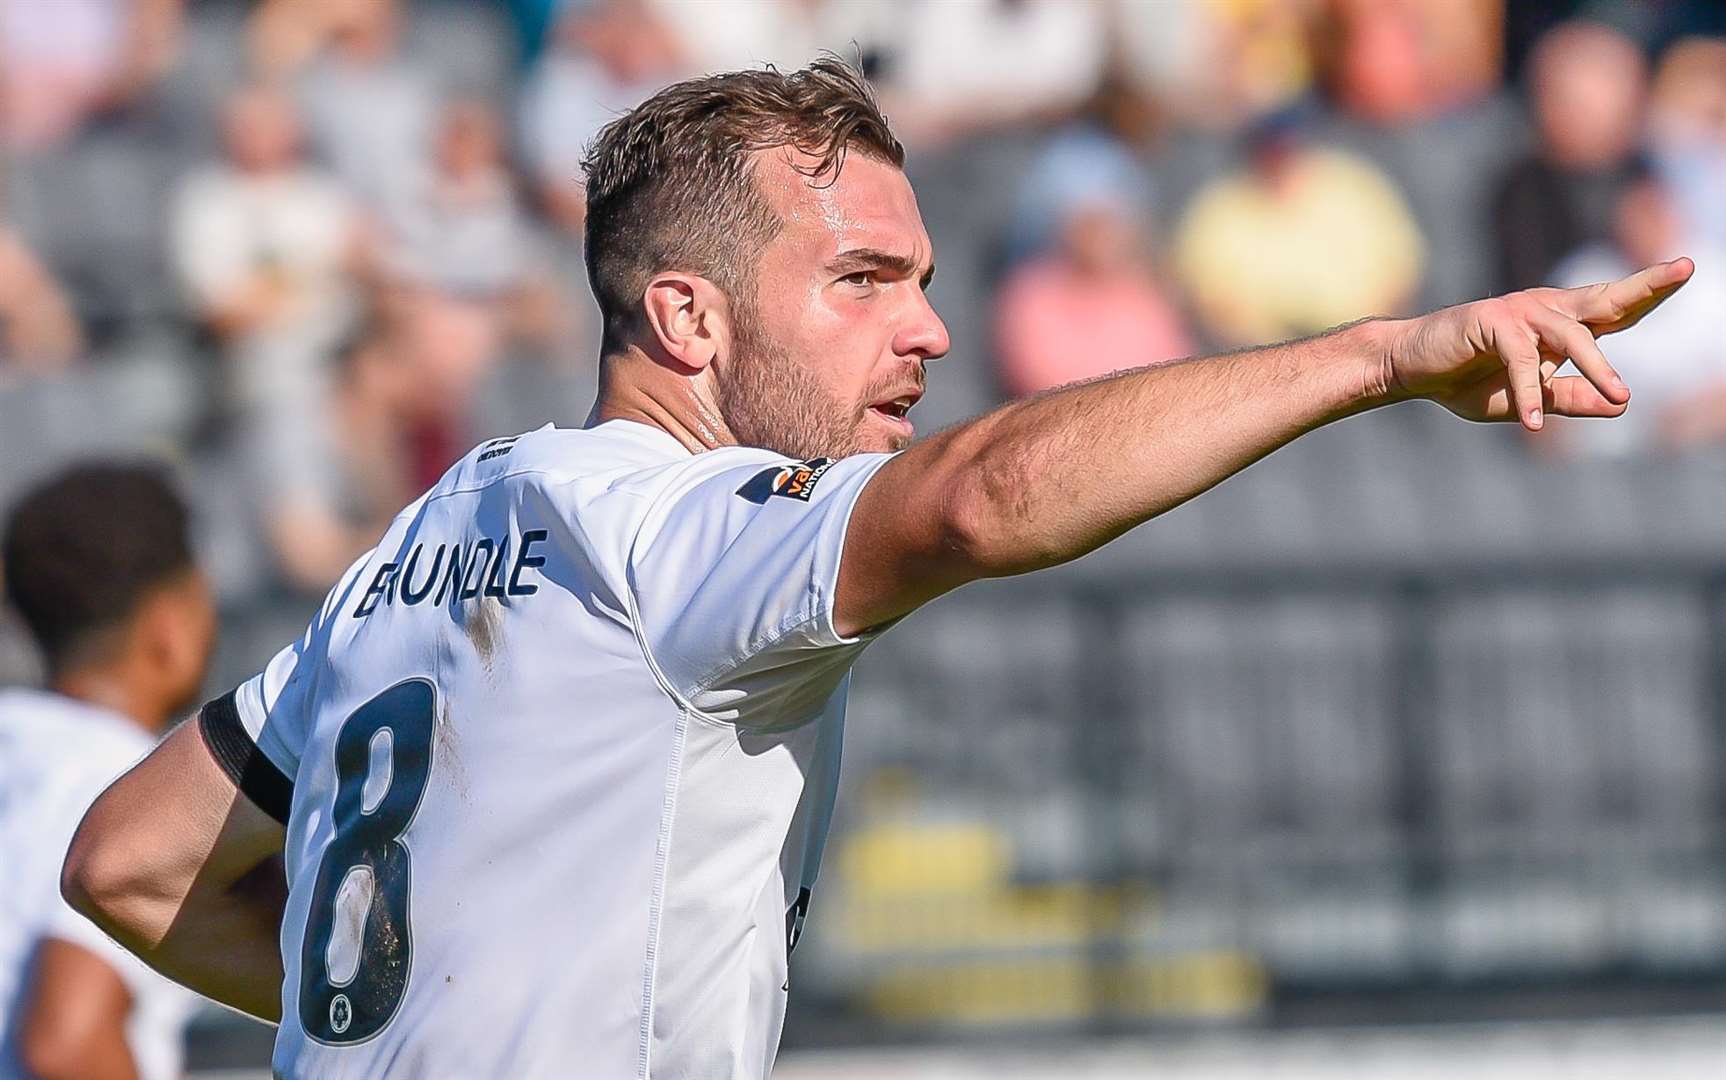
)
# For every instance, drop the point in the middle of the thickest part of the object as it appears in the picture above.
(111, 687)
(633, 387)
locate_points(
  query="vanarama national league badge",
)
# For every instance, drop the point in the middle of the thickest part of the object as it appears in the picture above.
(796, 481)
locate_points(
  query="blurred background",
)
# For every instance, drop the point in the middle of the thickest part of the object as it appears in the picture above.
(1404, 751)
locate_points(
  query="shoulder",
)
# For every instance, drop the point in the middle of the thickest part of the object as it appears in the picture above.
(616, 458)
(70, 746)
(103, 744)
(56, 715)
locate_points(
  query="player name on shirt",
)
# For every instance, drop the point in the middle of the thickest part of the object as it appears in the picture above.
(457, 572)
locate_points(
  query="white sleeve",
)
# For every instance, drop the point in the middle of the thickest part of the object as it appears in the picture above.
(732, 577)
(257, 731)
(270, 707)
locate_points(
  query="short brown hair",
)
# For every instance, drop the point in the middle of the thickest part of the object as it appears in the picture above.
(670, 183)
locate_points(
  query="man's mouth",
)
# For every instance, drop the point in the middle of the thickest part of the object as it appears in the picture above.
(898, 408)
(893, 409)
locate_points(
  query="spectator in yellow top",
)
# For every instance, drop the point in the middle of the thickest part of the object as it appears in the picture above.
(1302, 239)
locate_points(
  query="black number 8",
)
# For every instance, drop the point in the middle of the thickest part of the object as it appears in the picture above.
(367, 842)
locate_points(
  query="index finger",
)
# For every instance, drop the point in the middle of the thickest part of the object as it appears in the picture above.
(1616, 305)
(1570, 338)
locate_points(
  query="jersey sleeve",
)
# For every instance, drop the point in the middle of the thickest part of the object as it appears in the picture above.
(256, 737)
(256, 731)
(733, 574)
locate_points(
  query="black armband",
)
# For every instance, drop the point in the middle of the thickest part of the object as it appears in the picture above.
(239, 757)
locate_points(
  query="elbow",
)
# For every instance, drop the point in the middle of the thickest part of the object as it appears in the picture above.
(970, 537)
(988, 528)
(100, 882)
(82, 878)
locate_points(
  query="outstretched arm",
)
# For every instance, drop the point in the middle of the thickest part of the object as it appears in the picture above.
(178, 866)
(1040, 482)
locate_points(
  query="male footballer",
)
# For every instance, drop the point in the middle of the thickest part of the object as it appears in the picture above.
(552, 769)
(97, 562)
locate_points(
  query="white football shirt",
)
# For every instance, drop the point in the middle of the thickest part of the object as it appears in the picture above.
(56, 755)
(557, 760)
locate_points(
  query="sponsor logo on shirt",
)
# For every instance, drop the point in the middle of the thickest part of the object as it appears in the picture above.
(497, 448)
(787, 481)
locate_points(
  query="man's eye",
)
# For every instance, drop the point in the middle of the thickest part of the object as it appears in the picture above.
(860, 278)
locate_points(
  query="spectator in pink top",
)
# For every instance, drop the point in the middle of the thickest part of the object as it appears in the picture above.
(1089, 306)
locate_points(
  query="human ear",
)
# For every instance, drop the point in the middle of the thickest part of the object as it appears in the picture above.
(176, 625)
(687, 316)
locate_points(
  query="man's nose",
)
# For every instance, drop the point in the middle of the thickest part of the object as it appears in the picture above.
(923, 334)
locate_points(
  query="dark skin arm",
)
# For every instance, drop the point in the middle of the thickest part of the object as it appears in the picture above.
(74, 1016)
(177, 865)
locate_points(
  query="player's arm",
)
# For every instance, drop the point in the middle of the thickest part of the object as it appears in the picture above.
(1040, 482)
(73, 1019)
(180, 867)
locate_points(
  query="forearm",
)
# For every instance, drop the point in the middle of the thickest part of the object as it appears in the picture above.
(1050, 479)
(221, 940)
(225, 943)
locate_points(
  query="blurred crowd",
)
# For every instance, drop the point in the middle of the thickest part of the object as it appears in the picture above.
(353, 217)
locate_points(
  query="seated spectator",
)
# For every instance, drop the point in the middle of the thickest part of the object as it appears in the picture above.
(1676, 364)
(786, 33)
(63, 61)
(393, 417)
(330, 477)
(266, 247)
(1092, 158)
(1089, 307)
(37, 329)
(1216, 66)
(963, 66)
(1301, 240)
(1587, 82)
(369, 109)
(459, 228)
(607, 56)
(1687, 131)
(450, 344)
(1404, 62)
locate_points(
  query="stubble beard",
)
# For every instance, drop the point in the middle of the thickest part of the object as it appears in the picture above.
(768, 401)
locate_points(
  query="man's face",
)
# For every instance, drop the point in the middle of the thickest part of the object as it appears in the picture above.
(829, 357)
(261, 132)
